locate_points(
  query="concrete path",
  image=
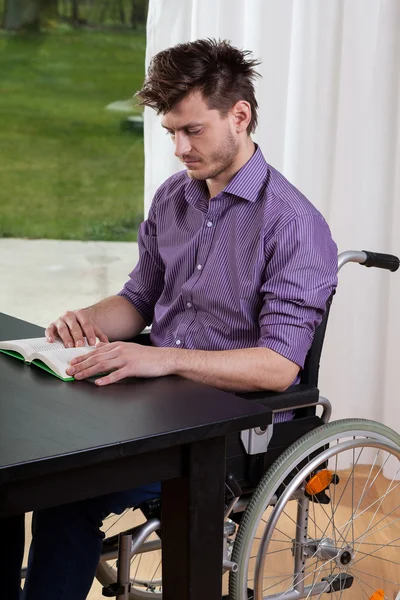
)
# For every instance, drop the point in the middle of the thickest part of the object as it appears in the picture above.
(41, 279)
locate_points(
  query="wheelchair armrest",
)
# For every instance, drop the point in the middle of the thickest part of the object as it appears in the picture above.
(294, 397)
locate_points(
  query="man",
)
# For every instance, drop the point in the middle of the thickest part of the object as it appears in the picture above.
(234, 273)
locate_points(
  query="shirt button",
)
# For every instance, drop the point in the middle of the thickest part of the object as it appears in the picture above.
(178, 342)
(209, 224)
(199, 267)
(189, 304)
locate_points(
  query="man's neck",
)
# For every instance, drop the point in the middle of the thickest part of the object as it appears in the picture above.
(217, 184)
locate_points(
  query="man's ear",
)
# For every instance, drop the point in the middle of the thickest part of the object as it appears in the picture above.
(241, 112)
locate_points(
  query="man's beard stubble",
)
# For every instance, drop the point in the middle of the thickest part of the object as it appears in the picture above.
(222, 159)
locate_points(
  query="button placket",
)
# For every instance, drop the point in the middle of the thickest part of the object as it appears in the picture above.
(205, 242)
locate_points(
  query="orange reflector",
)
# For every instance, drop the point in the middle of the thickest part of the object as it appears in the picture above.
(378, 595)
(319, 482)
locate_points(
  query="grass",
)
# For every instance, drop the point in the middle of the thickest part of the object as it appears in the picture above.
(67, 169)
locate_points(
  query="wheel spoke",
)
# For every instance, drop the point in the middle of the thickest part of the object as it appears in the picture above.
(352, 518)
(333, 503)
(324, 565)
(380, 528)
(137, 566)
(358, 581)
(375, 513)
(273, 552)
(154, 574)
(315, 533)
(345, 487)
(115, 522)
(329, 521)
(373, 556)
(286, 577)
(372, 505)
(375, 576)
(298, 526)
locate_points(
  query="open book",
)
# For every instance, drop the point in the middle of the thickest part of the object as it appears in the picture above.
(53, 357)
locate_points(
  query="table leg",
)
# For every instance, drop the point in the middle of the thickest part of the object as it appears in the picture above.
(192, 525)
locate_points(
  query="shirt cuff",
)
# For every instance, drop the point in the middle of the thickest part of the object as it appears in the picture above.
(293, 345)
(143, 309)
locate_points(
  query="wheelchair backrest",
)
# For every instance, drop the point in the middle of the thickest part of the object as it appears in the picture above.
(309, 374)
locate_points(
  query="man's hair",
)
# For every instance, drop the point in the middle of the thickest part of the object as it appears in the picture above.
(222, 73)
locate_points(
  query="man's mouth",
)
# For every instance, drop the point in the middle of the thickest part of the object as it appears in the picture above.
(190, 162)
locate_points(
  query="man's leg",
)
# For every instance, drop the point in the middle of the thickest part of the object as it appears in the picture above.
(66, 544)
(12, 532)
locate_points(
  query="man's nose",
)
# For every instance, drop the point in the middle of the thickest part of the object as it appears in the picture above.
(182, 144)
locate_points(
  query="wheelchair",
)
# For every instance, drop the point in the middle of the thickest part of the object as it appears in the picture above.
(311, 506)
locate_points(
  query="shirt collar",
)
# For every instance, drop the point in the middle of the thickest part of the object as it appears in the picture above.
(250, 179)
(246, 184)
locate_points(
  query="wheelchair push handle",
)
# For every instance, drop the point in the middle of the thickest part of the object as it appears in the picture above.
(369, 259)
(381, 261)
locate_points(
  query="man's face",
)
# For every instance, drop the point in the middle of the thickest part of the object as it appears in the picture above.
(204, 141)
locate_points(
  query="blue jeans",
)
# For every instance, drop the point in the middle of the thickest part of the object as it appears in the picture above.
(65, 549)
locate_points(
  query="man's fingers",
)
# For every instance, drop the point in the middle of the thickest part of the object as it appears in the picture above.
(87, 327)
(94, 358)
(73, 327)
(102, 344)
(102, 336)
(89, 369)
(51, 332)
(112, 377)
(63, 332)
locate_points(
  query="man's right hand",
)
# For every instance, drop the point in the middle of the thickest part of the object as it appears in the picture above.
(72, 327)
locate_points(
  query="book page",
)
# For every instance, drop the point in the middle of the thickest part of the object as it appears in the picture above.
(34, 345)
(60, 359)
(67, 354)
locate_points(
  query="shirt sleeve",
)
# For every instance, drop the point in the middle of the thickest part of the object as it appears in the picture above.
(146, 281)
(300, 276)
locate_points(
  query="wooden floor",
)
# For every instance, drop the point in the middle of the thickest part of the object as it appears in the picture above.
(372, 570)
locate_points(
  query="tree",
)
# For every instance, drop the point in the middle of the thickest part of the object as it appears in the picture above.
(139, 12)
(75, 12)
(48, 10)
(28, 14)
(22, 14)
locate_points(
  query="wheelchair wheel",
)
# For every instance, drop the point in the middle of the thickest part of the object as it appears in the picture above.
(145, 573)
(325, 519)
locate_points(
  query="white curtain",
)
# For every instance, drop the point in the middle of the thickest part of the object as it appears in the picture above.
(330, 121)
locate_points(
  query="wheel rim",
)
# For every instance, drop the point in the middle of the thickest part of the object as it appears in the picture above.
(355, 546)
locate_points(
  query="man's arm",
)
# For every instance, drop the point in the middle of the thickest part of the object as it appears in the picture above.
(248, 369)
(110, 319)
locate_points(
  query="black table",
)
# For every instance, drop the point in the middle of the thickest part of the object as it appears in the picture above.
(62, 442)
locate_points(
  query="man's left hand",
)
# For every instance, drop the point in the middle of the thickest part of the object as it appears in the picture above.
(120, 360)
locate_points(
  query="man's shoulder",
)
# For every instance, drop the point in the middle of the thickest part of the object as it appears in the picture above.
(282, 197)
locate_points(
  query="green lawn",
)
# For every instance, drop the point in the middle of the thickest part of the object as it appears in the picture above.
(67, 170)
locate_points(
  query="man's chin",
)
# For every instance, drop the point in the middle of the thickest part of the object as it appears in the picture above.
(196, 173)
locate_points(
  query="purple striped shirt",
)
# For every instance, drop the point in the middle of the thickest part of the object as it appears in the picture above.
(252, 267)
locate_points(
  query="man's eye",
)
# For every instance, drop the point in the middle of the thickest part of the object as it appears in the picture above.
(194, 131)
